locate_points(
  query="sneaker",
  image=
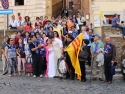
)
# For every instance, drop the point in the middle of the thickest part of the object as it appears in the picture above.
(41, 76)
(34, 76)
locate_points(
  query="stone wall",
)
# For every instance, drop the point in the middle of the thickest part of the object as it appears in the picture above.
(117, 40)
(10, 33)
(32, 8)
(56, 8)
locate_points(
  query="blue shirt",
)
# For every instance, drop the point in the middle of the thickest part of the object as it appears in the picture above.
(87, 37)
(114, 22)
(74, 33)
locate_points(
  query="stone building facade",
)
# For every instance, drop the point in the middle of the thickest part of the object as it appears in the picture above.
(116, 38)
(91, 10)
(33, 8)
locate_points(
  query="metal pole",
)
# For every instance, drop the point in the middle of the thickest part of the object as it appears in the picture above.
(91, 70)
(4, 25)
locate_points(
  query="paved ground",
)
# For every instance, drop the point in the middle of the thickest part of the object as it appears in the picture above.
(29, 85)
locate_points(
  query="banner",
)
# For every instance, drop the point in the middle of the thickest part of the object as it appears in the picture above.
(73, 51)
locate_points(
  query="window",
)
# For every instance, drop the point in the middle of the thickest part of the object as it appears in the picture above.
(108, 19)
(19, 2)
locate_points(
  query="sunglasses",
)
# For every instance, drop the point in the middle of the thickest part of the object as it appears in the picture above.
(11, 40)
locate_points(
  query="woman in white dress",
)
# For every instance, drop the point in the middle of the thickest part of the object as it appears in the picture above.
(50, 71)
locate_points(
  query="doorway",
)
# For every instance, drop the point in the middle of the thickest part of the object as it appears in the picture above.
(75, 4)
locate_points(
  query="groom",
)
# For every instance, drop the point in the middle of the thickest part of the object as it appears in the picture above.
(58, 50)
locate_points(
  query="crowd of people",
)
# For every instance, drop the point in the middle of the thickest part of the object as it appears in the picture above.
(45, 42)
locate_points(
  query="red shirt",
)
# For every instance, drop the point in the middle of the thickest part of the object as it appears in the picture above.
(44, 22)
(16, 40)
(36, 23)
(28, 28)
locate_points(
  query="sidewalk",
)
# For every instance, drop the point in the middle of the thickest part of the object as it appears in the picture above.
(1, 66)
(88, 70)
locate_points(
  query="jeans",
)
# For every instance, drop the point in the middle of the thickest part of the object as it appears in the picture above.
(11, 65)
(123, 29)
(5, 64)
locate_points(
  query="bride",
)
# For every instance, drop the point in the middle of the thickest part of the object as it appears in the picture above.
(50, 71)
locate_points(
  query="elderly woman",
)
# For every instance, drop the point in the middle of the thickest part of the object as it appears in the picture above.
(10, 53)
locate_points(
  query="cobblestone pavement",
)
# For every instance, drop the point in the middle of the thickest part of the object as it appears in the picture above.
(29, 85)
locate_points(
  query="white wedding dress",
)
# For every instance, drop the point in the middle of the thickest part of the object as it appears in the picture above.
(51, 66)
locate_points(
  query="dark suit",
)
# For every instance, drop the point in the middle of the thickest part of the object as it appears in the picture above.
(107, 61)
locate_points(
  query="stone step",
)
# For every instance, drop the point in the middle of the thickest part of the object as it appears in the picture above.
(118, 74)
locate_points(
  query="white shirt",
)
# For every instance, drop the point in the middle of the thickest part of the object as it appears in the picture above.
(25, 40)
(60, 26)
(19, 23)
(13, 23)
(37, 30)
(57, 43)
(80, 19)
(70, 31)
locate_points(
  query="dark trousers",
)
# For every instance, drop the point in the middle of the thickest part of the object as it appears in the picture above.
(71, 69)
(79, 31)
(107, 67)
(83, 72)
(44, 64)
(37, 64)
(62, 15)
(13, 28)
(67, 14)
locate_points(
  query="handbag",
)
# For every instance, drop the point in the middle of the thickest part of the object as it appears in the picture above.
(28, 67)
(83, 55)
(112, 70)
(61, 66)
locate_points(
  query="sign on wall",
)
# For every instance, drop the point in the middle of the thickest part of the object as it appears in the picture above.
(95, 7)
(5, 4)
(97, 22)
(124, 14)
